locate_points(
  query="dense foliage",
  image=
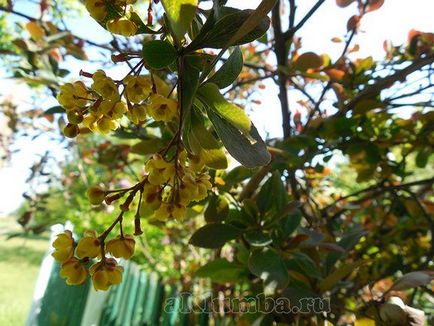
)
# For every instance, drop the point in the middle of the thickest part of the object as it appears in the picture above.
(148, 168)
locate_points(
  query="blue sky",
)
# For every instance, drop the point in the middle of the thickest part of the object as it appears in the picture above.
(392, 22)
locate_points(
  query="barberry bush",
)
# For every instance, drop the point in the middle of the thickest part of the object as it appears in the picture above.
(167, 168)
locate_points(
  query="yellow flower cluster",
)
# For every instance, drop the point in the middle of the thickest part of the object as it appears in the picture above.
(123, 26)
(170, 189)
(100, 107)
(74, 258)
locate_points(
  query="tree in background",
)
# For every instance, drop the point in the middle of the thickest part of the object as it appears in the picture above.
(150, 150)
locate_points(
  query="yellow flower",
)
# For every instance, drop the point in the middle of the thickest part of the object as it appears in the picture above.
(203, 185)
(196, 162)
(64, 246)
(105, 86)
(137, 113)
(73, 95)
(122, 247)
(162, 108)
(187, 189)
(194, 188)
(74, 271)
(105, 273)
(118, 110)
(90, 121)
(105, 125)
(151, 196)
(122, 26)
(112, 109)
(88, 246)
(170, 211)
(137, 88)
(159, 171)
(96, 9)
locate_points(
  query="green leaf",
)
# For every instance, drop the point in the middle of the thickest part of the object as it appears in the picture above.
(222, 271)
(142, 27)
(147, 146)
(257, 238)
(273, 194)
(422, 157)
(55, 109)
(229, 71)
(217, 209)
(204, 144)
(214, 235)
(180, 14)
(158, 54)
(412, 280)
(289, 223)
(340, 273)
(239, 146)
(304, 264)
(348, 241)
(269, 266)
(220, 34)
(237, 175)
(258, 17)
(189, 81)
(210, 95)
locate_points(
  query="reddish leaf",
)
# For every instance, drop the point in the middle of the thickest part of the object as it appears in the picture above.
(353, 23)
(335, 74)
(308, 60)
(374, 5)
(344, 3)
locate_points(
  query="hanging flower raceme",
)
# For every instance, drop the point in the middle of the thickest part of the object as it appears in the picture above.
(100, 107)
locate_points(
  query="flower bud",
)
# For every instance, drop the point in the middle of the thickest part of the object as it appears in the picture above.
(71, 130)
(96, 195)
(74, 117)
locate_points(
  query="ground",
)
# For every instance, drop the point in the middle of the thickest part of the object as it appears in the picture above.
(20, 259)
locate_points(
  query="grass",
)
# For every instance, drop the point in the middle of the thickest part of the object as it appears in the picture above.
(20, 258)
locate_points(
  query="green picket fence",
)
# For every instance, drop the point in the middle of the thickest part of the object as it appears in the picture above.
(142, 299)
(62, 305)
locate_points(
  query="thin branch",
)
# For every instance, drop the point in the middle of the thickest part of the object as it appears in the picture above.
(280, 50)
(19, 14)
(387, 81)
(291, 31)
(382, 188)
